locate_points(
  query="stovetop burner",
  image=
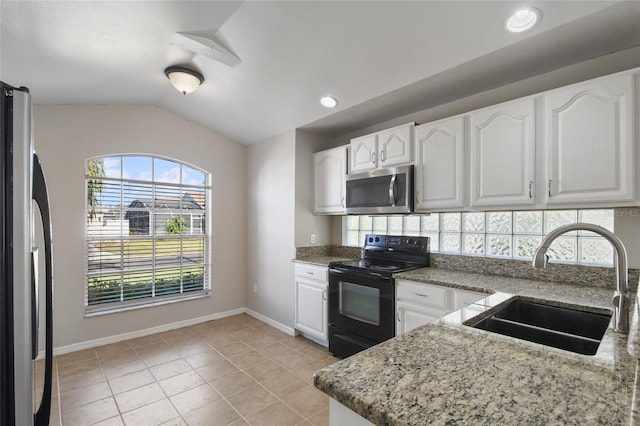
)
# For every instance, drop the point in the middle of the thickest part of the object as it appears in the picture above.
(377, 265)
(388, 254)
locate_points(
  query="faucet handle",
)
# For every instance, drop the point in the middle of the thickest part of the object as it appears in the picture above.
(621, 312)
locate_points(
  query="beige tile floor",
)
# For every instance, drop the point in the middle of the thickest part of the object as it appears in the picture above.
(232, 371)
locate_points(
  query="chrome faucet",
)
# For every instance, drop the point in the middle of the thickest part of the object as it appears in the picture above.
(621, 295)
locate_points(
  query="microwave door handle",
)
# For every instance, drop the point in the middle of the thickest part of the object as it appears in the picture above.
(392, 190)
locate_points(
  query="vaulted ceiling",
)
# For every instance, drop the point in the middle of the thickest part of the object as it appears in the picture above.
(378, 58)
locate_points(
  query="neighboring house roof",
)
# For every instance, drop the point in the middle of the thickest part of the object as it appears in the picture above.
(196, 197)
(186, 202)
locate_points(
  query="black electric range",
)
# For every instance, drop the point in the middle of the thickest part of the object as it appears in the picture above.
(362, 291)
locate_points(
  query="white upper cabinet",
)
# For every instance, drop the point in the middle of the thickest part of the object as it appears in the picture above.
(589, 149)
(395, 145)
(502, 148)
(363, 153)
(439, 168)
(387, 148)
(329, 172)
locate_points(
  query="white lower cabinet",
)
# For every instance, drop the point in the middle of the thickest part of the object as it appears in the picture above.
(311, 312)
(419, 303)
(339, 415)
(462, 298)
(410, 316)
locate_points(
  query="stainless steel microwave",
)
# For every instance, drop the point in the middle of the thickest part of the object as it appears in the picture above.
(380, 191)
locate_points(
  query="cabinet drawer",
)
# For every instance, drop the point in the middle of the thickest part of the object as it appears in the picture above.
(314, 272)
(423, 294)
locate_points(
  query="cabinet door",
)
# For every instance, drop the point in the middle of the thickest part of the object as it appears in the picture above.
(311, 307)
(463, 299)
(503, 154)
(329, 180)
(440, 165)
(363, 153)
(396, 146)
(589, 142)
(410, 316)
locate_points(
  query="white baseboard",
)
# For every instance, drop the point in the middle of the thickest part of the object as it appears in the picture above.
(141, 333)
(315, 339)
(166, 327)
(285, 329)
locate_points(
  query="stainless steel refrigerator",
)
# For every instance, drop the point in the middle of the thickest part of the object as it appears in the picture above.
(24, 398)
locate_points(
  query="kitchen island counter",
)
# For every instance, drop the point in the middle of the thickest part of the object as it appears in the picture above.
(448, 373)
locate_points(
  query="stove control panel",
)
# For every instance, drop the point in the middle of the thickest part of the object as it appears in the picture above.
(396, 242)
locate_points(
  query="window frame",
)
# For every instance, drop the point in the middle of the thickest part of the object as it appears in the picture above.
(153, 182)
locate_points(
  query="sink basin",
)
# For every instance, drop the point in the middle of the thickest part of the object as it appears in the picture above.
(560, 327)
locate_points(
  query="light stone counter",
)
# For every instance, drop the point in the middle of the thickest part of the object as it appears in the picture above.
(320, 260)
(449, 373)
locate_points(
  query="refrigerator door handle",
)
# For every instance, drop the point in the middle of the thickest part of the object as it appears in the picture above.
(40, 195)
(35, 302)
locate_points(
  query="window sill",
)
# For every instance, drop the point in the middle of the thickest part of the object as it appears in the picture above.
(99, 311)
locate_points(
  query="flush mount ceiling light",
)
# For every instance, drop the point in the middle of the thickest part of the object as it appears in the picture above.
(184, 79)
(328, 101)
(522, 20)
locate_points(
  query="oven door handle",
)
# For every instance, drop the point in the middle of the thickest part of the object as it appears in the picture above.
(356, 273)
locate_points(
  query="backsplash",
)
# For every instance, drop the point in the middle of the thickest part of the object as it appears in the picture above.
(335, 251)
(596, 276)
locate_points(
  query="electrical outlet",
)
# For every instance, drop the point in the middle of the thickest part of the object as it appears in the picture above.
(313, 238)
(255, 288)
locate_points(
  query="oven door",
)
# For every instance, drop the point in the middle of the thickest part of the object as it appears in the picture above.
(361, 304)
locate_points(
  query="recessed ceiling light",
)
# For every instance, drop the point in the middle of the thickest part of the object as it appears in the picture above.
(522, 20)
(328, 101)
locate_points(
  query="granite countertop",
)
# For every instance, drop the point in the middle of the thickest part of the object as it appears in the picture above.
(320, 260)
(449, 373)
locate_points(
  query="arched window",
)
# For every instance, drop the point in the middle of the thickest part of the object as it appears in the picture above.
(147, 231)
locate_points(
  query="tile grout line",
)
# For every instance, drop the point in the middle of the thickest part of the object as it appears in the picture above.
(224, 398)
(59, 395)
(259, 383)
(113, 395)
(223, 356)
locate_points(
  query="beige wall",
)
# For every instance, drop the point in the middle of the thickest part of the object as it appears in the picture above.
(65, 136)
(271, 227)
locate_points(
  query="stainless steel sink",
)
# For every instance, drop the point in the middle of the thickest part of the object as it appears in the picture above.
(560, 327)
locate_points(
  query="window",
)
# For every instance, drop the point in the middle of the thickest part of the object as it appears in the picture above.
(503, 234)
(147, 231)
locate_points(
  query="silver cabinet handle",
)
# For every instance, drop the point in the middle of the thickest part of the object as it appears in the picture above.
(382, 156)
(420, 294)
(373, 157)
(549, 188)
(324, 294)
(310, 273)
(398, 315)
(392, 190)
(342, 201)
(417, 200)
(530, 186)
